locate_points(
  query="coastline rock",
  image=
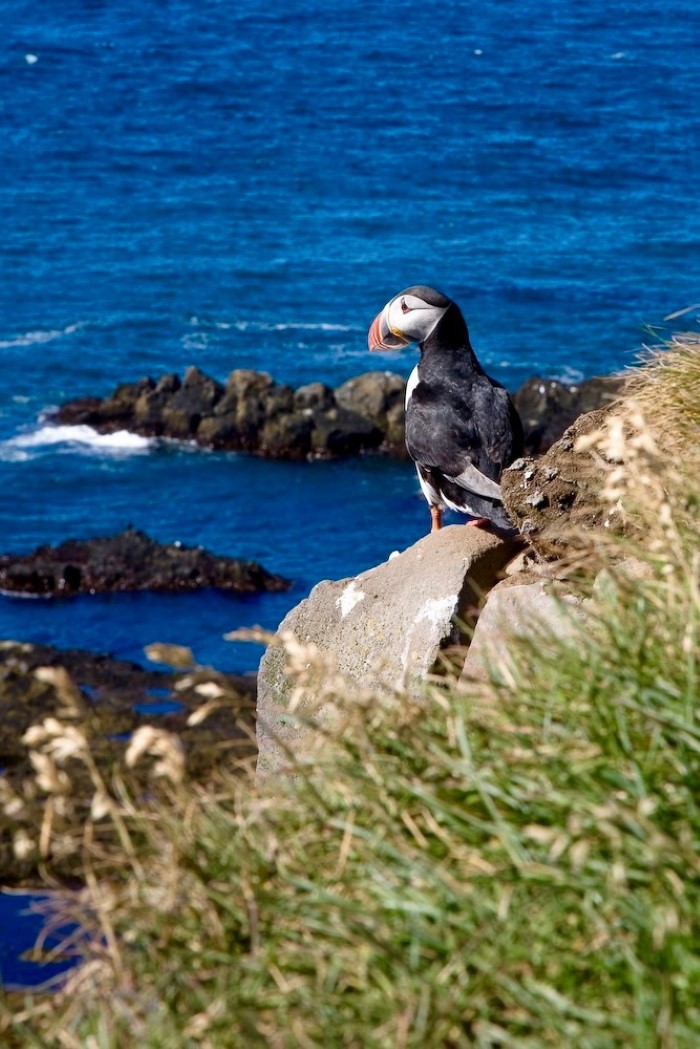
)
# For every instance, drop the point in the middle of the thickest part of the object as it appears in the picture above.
(252, 413)
(379, 397)
(108, 700)
(126, 562)
(387, 626)
(547, 407)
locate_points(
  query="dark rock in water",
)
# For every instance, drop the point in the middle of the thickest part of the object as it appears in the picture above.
(286, 436)
(339, 431)
(108, 700)
(83, 411)
(379, 397)
(129, 561)
(547, 407)
(252, 413)
(315, 395)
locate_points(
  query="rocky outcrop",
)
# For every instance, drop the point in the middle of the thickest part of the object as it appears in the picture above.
(126, 562)
(252, 413)
(555, 501)
(386, 628)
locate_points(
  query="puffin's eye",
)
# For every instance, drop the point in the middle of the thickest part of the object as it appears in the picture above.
(404, 307)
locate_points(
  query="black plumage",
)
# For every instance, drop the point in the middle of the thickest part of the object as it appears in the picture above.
(462, 428)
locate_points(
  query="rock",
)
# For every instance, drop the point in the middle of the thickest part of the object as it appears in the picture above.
(286, 436)
(129, 561)
(555, 500)
(339, 431)
(255, 414)
(83, 411)
(388, 626)
(117, 410)
(379, 397)
(315, 396)
(109, 699)
(516, 610)
(547, 407)
(196, 398)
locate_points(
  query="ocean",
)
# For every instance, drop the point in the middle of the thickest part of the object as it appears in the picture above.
(244, 185)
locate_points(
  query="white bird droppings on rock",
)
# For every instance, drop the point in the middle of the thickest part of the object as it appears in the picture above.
(350, 597)
(436, 609)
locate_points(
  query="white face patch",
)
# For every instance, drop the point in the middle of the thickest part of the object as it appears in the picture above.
(412, 317)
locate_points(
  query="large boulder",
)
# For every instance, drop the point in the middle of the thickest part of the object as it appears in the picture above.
(387, 627)
(516, 608)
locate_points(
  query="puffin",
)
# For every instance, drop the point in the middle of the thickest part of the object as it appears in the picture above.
(462, 429)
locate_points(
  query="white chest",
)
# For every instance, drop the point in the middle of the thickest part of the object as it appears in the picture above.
(411, 384)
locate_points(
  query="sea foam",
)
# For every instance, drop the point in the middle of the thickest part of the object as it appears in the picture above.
(81, 438)
(33, 338)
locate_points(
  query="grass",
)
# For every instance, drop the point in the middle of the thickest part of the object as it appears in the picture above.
(514, 866)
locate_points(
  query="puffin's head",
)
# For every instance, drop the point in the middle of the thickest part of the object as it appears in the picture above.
(409, 317)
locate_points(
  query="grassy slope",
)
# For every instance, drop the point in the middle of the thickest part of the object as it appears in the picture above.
(515, 868)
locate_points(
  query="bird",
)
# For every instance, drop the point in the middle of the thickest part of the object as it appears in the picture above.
(462, 429)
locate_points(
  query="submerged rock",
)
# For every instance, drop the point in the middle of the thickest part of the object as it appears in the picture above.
(126, 562)
(108, 700)
(253, 413)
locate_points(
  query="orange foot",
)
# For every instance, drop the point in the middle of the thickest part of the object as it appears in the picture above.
(478, 522)
(435, 518)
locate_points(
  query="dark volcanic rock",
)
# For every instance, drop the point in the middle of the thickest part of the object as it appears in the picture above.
(129, 561)
(252, 413)
(379, 397)
(547, 407)
(108, 700)
(315, 395)
(339, 431)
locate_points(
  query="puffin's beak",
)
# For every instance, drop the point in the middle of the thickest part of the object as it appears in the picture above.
(381, 337)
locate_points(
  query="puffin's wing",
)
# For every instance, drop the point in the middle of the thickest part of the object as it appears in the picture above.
(474, 481)
(468, 439)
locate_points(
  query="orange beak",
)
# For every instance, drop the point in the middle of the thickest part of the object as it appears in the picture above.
(381, 337)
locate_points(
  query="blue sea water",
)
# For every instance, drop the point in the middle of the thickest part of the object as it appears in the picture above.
(245, 184)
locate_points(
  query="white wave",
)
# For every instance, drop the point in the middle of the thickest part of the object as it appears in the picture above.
(197, 322)
(83, 437)
(263, 326)
(32, 338)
